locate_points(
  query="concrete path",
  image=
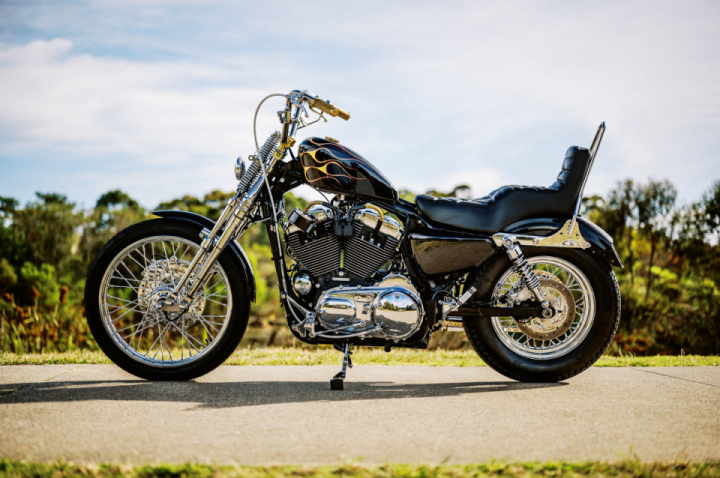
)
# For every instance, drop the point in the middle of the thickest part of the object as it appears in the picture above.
(264, 415)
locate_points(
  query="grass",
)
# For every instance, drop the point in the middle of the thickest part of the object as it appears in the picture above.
(13, 469)
(363, 356)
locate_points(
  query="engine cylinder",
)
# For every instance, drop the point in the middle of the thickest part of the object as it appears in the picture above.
(319, 252)
(315, 243)
(365, 255)
(373, 242)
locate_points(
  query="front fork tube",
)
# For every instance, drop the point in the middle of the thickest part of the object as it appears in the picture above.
(233, 222)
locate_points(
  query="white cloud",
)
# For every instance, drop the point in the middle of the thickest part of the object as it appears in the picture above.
(480, 93)
(58, 100)
(172, 136)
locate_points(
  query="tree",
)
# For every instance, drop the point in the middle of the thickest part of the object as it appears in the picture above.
(8, 277)
(43, 232)
(618, 216)
(698, 233)
(711, 207)
(113, 212)
(462, 191)
(654, 203)
(592, 204)
(211, 206)
(13, 246)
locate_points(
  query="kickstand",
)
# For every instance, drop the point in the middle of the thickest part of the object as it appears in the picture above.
(336, 383)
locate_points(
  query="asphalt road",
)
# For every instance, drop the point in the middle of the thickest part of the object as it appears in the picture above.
(274, 414)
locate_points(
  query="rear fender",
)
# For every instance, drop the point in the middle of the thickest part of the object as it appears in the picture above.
(600, 241)
(234, 247)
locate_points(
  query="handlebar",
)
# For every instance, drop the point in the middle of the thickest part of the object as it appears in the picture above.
(326, 107)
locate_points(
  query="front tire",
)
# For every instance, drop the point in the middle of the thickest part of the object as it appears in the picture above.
(127, 279)
(538, 354)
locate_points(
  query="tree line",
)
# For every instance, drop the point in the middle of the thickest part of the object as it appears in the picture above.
(668, 286)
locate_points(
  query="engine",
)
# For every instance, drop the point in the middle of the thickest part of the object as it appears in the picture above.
(339, 255)
(337, 247)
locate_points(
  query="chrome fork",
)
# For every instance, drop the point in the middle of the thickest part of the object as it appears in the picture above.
(233, 222)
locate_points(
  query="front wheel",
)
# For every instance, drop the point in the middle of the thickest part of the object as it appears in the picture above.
(134, 270)
(583, 290)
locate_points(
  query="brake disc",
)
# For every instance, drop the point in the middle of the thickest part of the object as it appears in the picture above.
(159, 277)
(562, 300)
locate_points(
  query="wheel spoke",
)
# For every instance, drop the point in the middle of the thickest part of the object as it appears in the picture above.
(127, 281)
(218, 293)
(127, 269)
(124, 300)
(135, 260)
(147, 325)
(216, 302)
(203, 322)
(160, 332)
(188, 337)
(134, 309)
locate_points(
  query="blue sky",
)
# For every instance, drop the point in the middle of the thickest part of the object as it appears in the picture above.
(157, 98)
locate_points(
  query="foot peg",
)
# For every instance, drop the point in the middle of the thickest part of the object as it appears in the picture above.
(337, 382)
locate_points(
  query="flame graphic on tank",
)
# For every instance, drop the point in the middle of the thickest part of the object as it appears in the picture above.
(331, 167)
(321, 171)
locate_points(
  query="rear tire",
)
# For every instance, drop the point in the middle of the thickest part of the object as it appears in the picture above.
(507, 354)
(210, 344)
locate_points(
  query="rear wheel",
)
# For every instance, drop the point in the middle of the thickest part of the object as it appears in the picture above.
(583, 290)
(132, 272)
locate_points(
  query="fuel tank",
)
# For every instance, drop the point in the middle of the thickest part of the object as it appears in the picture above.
(331, 167)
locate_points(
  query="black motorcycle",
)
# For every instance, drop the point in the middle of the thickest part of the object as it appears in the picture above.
(521, 271)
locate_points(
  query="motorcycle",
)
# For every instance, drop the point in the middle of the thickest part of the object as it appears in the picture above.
(521, 271)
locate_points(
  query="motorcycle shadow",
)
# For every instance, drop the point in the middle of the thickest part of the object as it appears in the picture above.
(245, 394)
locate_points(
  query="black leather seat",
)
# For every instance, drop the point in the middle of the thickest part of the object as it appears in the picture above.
(508, 204)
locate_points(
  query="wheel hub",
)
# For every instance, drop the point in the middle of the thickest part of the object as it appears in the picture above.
(157, 284)
(560, 297)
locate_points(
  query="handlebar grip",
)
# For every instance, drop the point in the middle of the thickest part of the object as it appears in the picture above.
(332, 110)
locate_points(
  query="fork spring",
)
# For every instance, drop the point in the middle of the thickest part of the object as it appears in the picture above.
(254, 170)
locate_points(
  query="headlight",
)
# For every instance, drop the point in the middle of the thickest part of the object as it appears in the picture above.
(239, 168)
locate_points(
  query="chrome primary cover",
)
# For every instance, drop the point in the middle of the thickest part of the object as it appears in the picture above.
(391, 309)
(397, 312)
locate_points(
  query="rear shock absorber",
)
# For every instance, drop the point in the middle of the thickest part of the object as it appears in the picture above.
(522, 269)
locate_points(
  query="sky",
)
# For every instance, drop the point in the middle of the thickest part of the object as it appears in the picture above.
(157, 98)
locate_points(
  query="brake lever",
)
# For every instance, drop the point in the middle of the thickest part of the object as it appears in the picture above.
(298, 99)
(320, 117)
(300, 105)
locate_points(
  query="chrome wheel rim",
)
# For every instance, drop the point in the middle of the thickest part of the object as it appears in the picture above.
(128, 296)
(574, 281)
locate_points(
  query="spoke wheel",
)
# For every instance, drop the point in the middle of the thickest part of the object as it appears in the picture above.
(586, 299)
(543, 339)
(134, 272)
(134, 283)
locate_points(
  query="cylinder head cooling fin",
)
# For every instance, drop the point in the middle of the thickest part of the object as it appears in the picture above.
(318, 250)
(373, 242)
